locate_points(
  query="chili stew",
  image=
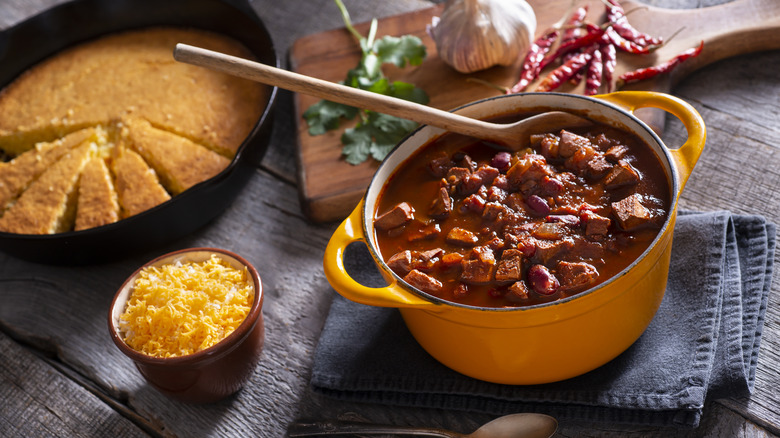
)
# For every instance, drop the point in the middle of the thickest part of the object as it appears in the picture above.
(471, 224)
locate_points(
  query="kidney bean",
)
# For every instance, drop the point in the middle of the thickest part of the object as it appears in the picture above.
(538, 205)
(551, 186)
(542, 281)
(568, 219)
(501, 161)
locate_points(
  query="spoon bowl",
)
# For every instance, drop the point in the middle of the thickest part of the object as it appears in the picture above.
(512, 135)
(525, 425)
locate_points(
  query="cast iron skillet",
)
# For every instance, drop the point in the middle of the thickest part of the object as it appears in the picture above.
(45, 34)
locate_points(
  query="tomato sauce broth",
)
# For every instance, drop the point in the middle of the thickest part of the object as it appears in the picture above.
(472, 224)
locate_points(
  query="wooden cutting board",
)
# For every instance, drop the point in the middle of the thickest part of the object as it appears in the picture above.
(330, 188)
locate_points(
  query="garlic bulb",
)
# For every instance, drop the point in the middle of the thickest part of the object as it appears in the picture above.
(473, 35)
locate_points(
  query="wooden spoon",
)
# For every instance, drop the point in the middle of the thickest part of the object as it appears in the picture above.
(513, 135)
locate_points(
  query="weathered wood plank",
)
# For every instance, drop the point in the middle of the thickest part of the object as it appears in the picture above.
(39, 401)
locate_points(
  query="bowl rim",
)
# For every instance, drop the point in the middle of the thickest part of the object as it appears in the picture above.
(214, 352)
(663, 151)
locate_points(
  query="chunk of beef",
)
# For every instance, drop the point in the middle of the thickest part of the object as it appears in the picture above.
(493, 211)
(455, 175)
(461, 237)
(530, 167)
(395, 217)
(517, 292)
(423, 281)
(501, 182)
(598, 166)
(542, 281)
(584, 249)
(510, 267)
(575, 277)
(548, 145)
(623, 174)
(423, 231)
(479, 266)
(570, 143)
(496, 194)
(487, 174)
(595, 224)
(547, 250)
(439, 166)
(426, 260)
(630, 213)
(441, 206)
(451, 260)
(616, 153)
(472, 203)
(401, 263)
(579, 161)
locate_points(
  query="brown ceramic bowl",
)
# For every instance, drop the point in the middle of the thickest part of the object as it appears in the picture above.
(211, 374)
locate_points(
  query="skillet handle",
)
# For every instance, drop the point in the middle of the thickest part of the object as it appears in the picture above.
(686, 156)
(393, 295)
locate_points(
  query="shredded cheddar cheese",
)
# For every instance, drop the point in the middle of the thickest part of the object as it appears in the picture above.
(182, 308)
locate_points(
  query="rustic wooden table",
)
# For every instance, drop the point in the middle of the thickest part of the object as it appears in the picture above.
(60, 375)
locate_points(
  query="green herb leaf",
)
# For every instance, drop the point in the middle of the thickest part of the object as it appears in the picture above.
(376, 134)
(326, 115)
(399, 51)
(375, 137)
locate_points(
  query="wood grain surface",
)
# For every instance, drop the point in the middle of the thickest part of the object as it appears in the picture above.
(330, 187)
(61, 376)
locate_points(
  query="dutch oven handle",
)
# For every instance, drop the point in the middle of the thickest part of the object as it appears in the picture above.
(392, 295)
(685, 156)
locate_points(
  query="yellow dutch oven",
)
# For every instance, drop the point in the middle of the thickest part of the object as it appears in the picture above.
(547, 342)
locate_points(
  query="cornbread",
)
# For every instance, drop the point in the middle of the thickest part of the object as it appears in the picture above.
(182, 308)
(179, 162)
(137, 185)
(48, 205)
(17, 174)
(159, 126)
(97, 202)
(132, 73)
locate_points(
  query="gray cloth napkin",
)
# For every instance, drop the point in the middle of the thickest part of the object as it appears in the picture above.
(702, 344)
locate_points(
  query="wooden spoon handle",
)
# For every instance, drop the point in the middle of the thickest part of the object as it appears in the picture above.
(340, 93)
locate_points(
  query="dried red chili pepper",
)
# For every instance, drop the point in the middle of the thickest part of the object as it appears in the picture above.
(565, 71)
(593, 34)
(572, 27)
(649, 72)
(572, 30)
(626, 45)
(609, 59)
(617, 16)
(594, 73)
(533, 59)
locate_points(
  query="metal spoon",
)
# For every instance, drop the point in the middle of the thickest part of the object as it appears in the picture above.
(513, 135)
(525, 425)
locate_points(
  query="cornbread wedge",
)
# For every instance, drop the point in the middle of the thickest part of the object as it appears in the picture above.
(97, 203)
(137, 185)
(17, 174)
(179, 162)
(48, 205)
(132, 73)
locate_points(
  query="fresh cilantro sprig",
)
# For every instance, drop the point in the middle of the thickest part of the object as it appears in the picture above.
(375, 134)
